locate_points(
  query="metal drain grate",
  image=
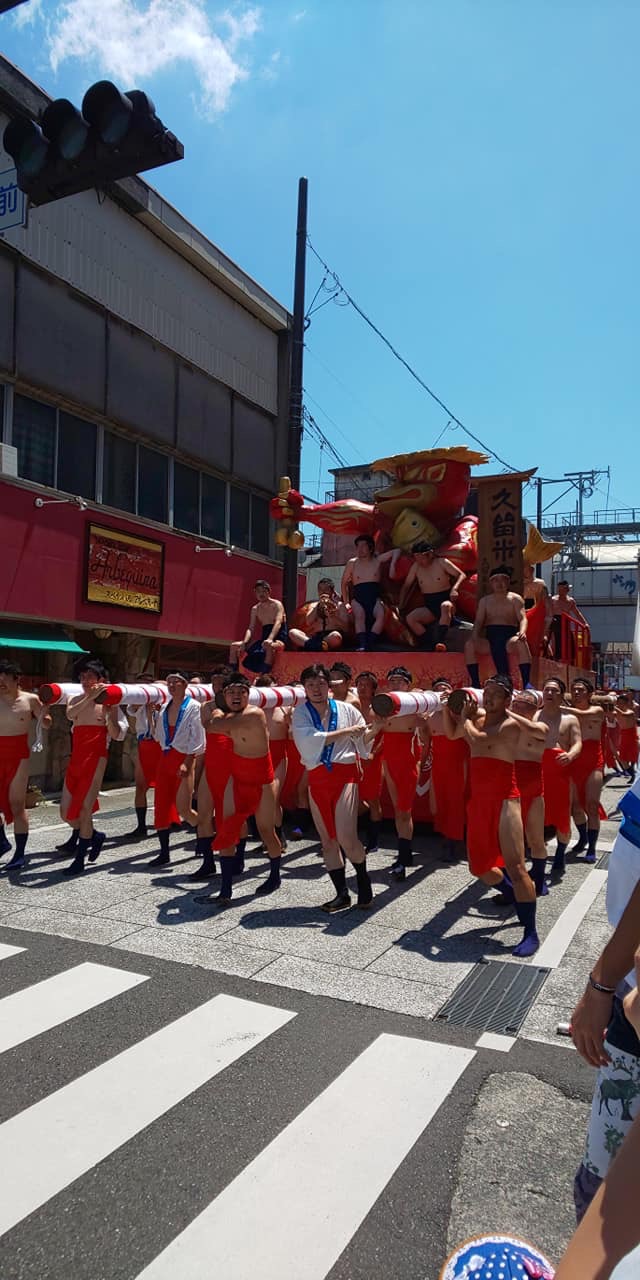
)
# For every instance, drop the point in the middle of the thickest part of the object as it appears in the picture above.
(495, 996)
(603, 862)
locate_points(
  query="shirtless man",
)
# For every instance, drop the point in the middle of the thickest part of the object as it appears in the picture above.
(449, 770)
(529, 778)
(147, 758)
(563, 745)
(625, 715)
(330, 735)
(178, 729)
(17, 709)
(439, 582)
(341, 676)
(370, 785)
(361, 588)
(535, 589)
(93, 726)
(562, 603)
(265, 635)
(502, 617)
(495, 838)
(327, 621)
(250, 789)
(278, 724)
(587, 770)
(400, 765)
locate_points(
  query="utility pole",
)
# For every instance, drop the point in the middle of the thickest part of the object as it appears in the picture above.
(294, 441)
(539, 517)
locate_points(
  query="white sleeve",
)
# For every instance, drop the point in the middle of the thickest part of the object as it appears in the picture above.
(309, 740)
(195, 738)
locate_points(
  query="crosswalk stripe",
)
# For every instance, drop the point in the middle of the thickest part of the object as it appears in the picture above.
(6, 950)
(560, 937)
(63, 1136)
(28, 1013)
(324, 1171)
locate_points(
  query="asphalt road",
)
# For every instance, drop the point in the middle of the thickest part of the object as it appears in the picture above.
(264, 1092)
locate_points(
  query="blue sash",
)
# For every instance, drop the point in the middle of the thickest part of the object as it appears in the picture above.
(630, 826)
(327, 752)
(165, 720)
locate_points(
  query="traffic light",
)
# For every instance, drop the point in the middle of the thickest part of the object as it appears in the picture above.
(115, 135)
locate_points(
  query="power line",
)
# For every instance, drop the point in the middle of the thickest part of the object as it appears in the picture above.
(363, 315)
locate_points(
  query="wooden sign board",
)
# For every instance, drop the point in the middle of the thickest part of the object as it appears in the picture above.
(500, 529)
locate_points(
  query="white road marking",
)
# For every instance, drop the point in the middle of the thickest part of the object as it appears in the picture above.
(491, 1040)
(53, 1142)
(6, 950)
(57, 999)
(560, 937)
(323, 1172)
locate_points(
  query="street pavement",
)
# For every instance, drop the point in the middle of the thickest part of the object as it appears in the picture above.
(267, 1091)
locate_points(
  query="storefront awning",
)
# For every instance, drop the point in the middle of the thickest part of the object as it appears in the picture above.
(23, 635)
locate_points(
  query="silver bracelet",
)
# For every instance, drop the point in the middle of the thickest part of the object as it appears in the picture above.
(597, 986)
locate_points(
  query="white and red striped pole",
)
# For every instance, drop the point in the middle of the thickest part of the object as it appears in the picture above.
(141, 695)
(416, 702)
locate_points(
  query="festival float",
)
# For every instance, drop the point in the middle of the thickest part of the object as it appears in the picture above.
(429, 499)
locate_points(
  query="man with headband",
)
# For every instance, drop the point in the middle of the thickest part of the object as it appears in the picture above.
(179, 731)
(401, 749)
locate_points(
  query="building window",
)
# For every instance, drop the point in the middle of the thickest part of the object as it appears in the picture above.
(186, 498)
(214, 508)
(76, 456)
(239, 516)
(260, 522)
(153, 479)
(34, 436)
(119, 473)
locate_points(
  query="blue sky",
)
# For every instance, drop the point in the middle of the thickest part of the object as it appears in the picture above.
(473, 179)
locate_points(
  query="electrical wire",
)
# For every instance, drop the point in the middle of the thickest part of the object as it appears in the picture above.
(363, 315)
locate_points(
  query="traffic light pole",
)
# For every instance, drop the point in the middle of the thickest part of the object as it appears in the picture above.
(294, 440)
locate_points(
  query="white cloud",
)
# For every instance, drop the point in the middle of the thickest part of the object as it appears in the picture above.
(26, 14)
(132, 40)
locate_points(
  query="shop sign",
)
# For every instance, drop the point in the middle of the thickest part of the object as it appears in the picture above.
(13, 201)
(124, 570)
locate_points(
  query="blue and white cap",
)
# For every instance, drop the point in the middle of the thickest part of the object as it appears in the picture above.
(497, 1258)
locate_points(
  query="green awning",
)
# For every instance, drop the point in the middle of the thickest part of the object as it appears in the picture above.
(18, 635)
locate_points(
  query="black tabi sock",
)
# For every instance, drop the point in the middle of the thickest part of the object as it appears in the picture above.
(163, 838)
(405, 855)
(537, 873)
(21, 840)
(274, 870)
(203, 845)
(525, 672)
(594, 832)
(365, 892)
(70, 844)
(238, 859)
(361, 642)
(582, 837)
(443, 627)
(5, 844)
(474, 674)
(526, 913)
(370, 640)
(141, 815)
(558, 860)
(373, 834)
(77, 865)
(339, 879)
(505, 887)
(226, 876)
(301, 819)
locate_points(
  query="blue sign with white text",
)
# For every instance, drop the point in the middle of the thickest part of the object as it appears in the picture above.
(13, 201)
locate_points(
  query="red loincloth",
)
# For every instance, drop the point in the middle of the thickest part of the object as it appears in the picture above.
(278, 750)
(536, 623)
(89, 745)
(628, 753)
(168, 780)
(370, 783)
(401, 766)
(449, 781)
(590, 760)
(149, 753)
(295, 770)
(250, 774)
(492, 782)
(557, 790)
(13, 750)
(530, 785)
(326, 787)
(217, 767)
